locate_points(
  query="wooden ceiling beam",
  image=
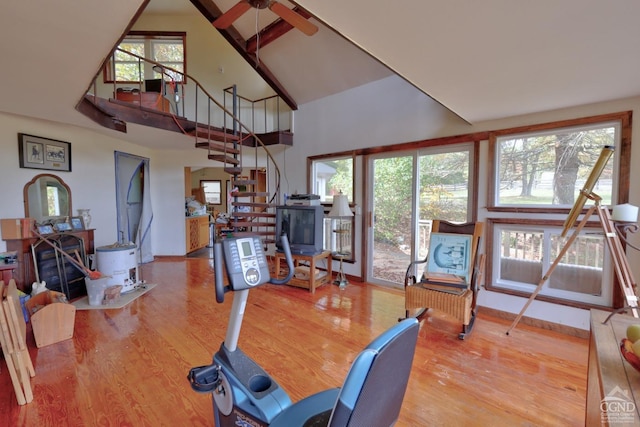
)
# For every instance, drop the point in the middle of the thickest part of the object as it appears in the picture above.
(210, 11)
(273, 31)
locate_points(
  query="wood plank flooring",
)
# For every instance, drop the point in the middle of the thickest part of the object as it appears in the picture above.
(128, 367)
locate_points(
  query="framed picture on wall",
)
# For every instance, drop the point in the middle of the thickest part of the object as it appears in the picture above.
(36, 152)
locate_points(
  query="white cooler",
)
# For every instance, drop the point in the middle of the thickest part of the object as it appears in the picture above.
(119, 262)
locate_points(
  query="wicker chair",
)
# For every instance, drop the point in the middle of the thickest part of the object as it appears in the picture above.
(462, 306)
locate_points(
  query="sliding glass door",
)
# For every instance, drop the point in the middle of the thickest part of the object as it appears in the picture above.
(390, 234)
(406, 193)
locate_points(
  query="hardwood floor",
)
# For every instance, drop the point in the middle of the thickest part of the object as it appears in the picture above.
(128, 367)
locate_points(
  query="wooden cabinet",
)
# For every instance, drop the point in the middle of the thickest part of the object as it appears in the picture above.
(197, 232)
(24, 268)
(613, 385)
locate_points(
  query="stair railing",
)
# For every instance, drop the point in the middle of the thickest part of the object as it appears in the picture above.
(241, 131)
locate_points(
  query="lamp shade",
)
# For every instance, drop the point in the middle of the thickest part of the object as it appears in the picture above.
(340, 207)
(625, 213)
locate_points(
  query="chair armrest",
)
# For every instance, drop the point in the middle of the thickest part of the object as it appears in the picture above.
(408, 275)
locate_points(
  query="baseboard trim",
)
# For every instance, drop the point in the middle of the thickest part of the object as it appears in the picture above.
(542, 324)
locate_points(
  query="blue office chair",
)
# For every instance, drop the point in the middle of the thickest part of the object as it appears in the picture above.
(373, 391)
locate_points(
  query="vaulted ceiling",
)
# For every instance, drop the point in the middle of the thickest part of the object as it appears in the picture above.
(482, 60)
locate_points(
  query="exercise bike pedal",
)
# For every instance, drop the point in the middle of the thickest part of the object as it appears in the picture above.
(205, 379)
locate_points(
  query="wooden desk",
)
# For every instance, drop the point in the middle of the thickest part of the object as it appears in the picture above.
(609, 375)
(313, 282)
(151, 100)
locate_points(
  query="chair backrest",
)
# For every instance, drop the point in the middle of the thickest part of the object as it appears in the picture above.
(373, 391)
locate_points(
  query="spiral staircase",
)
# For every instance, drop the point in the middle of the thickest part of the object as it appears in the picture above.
(213, 126)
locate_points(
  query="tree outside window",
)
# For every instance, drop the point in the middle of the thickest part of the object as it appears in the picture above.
(549, 169)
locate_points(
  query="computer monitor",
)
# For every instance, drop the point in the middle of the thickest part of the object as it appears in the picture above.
(153, 85)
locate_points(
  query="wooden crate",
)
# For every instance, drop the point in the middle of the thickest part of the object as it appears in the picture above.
(52, 317)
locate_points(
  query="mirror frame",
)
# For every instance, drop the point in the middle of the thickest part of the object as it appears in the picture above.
(25, 191)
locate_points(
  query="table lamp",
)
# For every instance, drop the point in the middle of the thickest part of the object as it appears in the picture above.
(339, 211)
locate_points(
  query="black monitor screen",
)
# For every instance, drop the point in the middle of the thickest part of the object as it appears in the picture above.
(154, 85)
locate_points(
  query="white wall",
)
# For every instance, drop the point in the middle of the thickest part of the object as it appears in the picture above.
(92, 178)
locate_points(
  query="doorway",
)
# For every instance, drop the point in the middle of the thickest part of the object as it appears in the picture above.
(133, 201)
(390, 231)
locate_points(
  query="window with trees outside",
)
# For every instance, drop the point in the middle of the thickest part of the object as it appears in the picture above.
(330, 176)
(541, 172)
(212, 191)
(165, 48)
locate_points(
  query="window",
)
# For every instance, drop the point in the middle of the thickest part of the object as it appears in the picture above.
(166, 48)
(212, 192)
(536, 177)
(520, 261)
(549, 168)
(330, 176)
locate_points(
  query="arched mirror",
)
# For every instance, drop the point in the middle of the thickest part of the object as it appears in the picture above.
(46, 197)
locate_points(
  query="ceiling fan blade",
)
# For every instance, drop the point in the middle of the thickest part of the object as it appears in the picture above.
(293, 18)
(226, 19)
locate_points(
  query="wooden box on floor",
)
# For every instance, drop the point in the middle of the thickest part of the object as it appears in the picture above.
(52, 318)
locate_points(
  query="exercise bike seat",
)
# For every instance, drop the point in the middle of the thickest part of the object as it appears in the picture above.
(372, 392)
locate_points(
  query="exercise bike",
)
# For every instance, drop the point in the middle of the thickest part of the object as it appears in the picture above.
(244, 394)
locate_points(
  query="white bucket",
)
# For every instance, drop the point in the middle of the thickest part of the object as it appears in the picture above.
(96, 287)
(121, 262)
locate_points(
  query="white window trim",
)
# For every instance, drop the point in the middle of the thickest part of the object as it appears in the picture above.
(606, 297)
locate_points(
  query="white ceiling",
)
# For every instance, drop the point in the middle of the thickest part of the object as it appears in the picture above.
(482, 60)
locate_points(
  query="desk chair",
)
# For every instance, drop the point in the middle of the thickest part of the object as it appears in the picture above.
(461, 306)
(373, 391)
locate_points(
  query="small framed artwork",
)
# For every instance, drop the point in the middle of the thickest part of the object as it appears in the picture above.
(42, 153)
(62, 226)
(450, 254)
(77, 223)
(45, 229)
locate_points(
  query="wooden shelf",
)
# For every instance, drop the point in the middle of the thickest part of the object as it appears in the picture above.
(315, 280)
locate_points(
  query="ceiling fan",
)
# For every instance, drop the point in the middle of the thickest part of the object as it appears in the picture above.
(236, 11)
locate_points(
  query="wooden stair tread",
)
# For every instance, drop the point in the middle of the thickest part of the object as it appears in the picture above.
(236, 182)
(216, 134)
(211, 145)
(250, 194)
(233, 171)
(223, 158)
